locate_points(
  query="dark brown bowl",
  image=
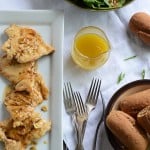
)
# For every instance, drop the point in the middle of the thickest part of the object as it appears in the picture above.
(126, 90)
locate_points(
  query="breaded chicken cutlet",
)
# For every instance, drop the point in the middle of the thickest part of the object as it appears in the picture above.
(25, 44)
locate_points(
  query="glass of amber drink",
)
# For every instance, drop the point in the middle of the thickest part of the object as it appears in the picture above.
(91, 48)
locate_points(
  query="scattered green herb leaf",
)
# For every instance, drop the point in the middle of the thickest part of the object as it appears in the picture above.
(120, 77)
(132, 57)
(143, 73)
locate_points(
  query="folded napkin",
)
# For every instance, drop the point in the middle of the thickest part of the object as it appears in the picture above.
(123, 45)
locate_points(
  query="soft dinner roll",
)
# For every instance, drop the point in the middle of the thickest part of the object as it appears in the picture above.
(139, 25)
(134, 103)
(143, 118)
(125, 129)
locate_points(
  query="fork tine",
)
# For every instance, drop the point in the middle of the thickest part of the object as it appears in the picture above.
(71, 93)
(70, 90)
(94, 89)
(68, 98)
(90, 91)
(68, 93)
(65, 95)
(76, 102)
(65, 92)
(83, 108)
(97, 89)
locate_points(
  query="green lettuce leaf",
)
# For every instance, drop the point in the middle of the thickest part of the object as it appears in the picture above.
(94, 3)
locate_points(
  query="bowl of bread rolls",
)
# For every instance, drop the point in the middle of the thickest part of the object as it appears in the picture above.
(127, 117)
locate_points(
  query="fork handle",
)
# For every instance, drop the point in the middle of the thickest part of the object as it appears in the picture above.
(80, 135)
(83, 128)
(79, 147)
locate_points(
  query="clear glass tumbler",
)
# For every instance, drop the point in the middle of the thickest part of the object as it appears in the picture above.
(91, 48)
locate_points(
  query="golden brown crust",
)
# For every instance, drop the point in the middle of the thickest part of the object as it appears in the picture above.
(25, 44)
(124, 127)
(16, 72)
(143, 118)
(140, 24)
(134, 103)
(27, 89)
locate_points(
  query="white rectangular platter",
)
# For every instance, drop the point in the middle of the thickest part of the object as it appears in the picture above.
(50, 25)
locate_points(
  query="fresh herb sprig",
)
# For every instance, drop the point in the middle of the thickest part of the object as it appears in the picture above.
(120, 77)
(143, 74)
(129, 58)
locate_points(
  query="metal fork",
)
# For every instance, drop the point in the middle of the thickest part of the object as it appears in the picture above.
(69, 102)
(93, 94)
(81, 119)
(92, 97)
(68, 99)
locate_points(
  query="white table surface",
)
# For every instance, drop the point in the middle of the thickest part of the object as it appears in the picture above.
(31, 4)
(114, 23)
(123, 45)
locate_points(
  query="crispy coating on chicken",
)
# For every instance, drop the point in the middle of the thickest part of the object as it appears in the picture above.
(13, 145)
(33, 127)
(9, 143)
(25, 44)
(15, 98)
(27, 89)
(17, 73)
(23, 76)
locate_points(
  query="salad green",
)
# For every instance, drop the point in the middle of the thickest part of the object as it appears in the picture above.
(96, 4)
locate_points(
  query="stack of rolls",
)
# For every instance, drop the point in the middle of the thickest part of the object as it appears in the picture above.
(131, 122)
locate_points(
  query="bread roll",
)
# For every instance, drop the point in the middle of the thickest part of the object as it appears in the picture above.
(139, 25)
(143, 118)
(125, 129)
(134, 103)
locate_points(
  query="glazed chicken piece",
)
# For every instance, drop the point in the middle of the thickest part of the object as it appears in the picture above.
(14, 98)
(13, 145)
(40, 86)
(23, 76)
(37, 88)
(2, 135)
(18, 74)
(22, 114)
(9, 143)
(25, 44)
(30, 131)
(40, 128)
(33, 128)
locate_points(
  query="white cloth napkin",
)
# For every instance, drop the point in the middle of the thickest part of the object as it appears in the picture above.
(123, 45)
